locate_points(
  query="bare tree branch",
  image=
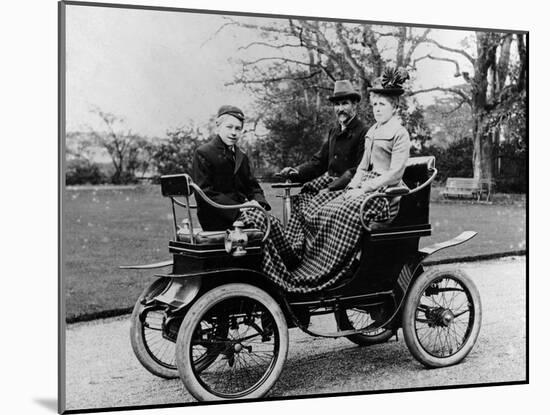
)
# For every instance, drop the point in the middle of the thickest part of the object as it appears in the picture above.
(448, 49)
(460, 104)
(321, 45)
(268, 29)
(359, 70)
(401, 38)
(269, 45)
(438, 88)
(328, 73)
(437, 58)
(274, 79)
(223, 26)
(391, 33)
(370, 42)
(274, 58)
(415, 41)
(380, 34)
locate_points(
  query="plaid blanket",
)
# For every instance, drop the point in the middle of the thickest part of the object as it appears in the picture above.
(310, 191)
(321, 246)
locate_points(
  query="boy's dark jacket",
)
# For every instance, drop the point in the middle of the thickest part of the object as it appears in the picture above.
(225, 181)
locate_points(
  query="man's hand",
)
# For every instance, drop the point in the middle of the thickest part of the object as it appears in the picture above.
(254, 202)
(288, 171)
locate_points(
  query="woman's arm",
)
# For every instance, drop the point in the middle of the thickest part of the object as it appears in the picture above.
(361, 169)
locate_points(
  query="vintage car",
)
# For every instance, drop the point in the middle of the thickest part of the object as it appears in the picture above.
(214, 319)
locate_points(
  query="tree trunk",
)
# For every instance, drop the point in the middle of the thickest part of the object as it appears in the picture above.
(477, 153)
(504, 61)
(487, 153)
(482, 86)
(401, 39)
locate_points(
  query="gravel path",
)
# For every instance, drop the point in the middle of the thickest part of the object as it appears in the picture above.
(101, 370)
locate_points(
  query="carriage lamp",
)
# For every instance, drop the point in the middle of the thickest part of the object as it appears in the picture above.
(236, 240)
(184, 229)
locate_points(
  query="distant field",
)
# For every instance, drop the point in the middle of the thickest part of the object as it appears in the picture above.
(106, 228)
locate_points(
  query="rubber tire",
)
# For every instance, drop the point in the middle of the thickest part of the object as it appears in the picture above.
(137, 340)
(409, 316)
(194, 316)
(360, 339)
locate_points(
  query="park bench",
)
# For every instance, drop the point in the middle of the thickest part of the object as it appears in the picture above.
(467, 187)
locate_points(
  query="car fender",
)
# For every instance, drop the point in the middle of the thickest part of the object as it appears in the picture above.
(457, 240)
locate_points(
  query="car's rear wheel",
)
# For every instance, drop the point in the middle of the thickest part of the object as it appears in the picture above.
(154, 350)
(358, 318)
(441, 317)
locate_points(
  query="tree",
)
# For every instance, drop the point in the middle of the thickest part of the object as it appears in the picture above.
(449, 121)
(296, 125)
(304, 49)
(418, 129)
(293, 79)
(79, 145)
(175, 155)
(496, 87)
(128, 151)
(81, 167)
(140, 156)
(319, 52)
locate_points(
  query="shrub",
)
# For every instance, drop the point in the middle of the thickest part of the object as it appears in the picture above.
(124, 177)
(80, 171)
(453, 161)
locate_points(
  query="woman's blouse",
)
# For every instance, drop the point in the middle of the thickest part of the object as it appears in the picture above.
(386, 152)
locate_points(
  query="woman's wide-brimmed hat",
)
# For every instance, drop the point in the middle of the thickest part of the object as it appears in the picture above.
(342, 90)
(391, 82)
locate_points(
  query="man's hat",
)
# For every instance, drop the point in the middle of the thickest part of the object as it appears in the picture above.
(342, 90)
(391, 82)
(231, 110)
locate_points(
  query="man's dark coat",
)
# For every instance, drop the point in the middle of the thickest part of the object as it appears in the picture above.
(339, 155)
(225, 181)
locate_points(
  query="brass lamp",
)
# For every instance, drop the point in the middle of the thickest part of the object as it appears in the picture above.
(236, 240)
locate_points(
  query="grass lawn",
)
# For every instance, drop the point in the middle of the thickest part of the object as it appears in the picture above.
(105, 228)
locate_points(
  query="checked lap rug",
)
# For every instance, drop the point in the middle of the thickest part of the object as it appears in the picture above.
(320, 242)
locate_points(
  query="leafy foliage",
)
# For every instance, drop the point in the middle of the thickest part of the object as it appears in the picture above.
(82, 171)
(129, 152)
(417, 127)
(511, 168)
(448, 120)
(296, 128)
(453, 161)
(175, 155)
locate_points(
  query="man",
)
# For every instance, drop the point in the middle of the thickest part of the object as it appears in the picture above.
(223, 172)
(342, 150)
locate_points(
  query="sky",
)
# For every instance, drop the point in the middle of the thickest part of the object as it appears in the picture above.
(159, 70)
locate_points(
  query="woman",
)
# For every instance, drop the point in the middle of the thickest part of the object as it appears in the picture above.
(387, 142)
(332, 226)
